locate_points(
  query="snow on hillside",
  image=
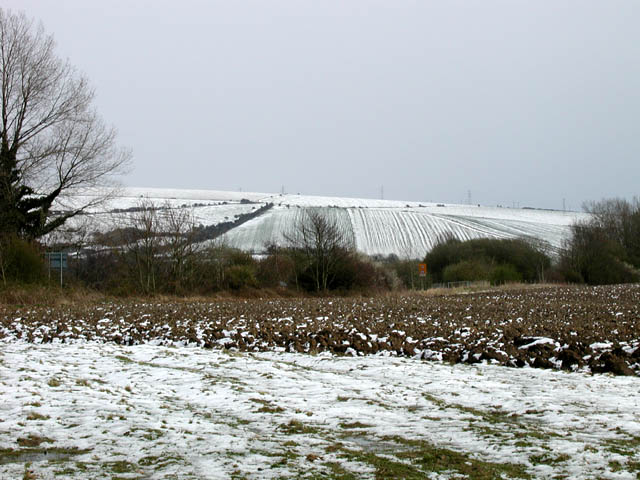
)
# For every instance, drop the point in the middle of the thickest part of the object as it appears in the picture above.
(407, 229)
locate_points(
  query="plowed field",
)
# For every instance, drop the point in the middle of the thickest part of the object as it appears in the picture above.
(596, 329)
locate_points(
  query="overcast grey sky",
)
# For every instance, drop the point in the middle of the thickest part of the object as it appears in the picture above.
(524, 102)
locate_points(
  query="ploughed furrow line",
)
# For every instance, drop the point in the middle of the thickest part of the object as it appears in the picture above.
(403, 232)
(572, 328)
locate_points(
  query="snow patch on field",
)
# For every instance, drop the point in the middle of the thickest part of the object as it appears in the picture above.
(100, 410)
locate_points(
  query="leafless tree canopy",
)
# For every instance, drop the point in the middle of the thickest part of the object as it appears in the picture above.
(52, 140)
(158, 245)
(605, 248)
(620, 218)
(322, 244)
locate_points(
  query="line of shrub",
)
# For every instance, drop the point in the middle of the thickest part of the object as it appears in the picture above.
(152, 258)
(219, 267)
(216, 268)
(497, 261)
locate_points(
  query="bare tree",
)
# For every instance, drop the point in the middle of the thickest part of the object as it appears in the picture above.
(178, 226)
(322, 245)
(620, 220)
(142, 243)
(215, 257)
(51, 139)
(606, 247)
(408, 263)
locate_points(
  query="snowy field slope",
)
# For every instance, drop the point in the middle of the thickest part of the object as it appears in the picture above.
(407, 229)
(101, 411)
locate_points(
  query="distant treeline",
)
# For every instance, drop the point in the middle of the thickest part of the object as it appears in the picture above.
(210, 232)
(163, 251)
(197, 233)
(605, 249)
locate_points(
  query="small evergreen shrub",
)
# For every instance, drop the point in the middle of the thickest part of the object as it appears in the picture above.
(466, 271)
(240, 276)
(503, 274)
(22, 261)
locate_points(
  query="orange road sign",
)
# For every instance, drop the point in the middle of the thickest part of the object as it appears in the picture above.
(422, 269)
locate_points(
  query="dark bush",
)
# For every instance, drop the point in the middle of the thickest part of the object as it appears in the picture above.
(21, 261)
(407, 272)
(102, 270)
(276, 270)
(475, 259)
(211, 267)
(358, 272)
(240, 276)
(349, 271)
(466, 270)
(606, 248)
(503, 274)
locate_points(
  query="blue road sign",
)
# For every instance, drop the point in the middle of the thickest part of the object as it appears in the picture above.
(57, 260)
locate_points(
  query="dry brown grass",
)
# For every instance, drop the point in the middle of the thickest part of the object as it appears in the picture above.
(78, 296)
(510, 287)
(46, 295)
(18, 295)
(67, 296)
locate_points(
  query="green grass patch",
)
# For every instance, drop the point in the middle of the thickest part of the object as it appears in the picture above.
(490, 416)
(119, 466)
(37, 416)
(295, 427)
(435, 400)
(27, 455)
(496, 423)
(337, 472)
(159, 462)
(286, 457)
(548, 459)
(152, 434)
(354, 425)
(54, 382)
(634, 467)
(385, 467)
(628, 446)
(123, 359)
(270, 409)
(267, 406)
(32, 440)
(436, 459)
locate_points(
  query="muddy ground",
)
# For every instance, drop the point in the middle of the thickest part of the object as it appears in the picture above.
(572, 328)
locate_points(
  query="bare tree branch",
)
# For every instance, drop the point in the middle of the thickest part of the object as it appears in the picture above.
(322, 243)
(51, 140)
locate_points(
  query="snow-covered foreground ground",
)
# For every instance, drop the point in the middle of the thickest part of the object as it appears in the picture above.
(109, 411)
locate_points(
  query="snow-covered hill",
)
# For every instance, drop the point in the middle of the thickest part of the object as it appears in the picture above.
(407, 229)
